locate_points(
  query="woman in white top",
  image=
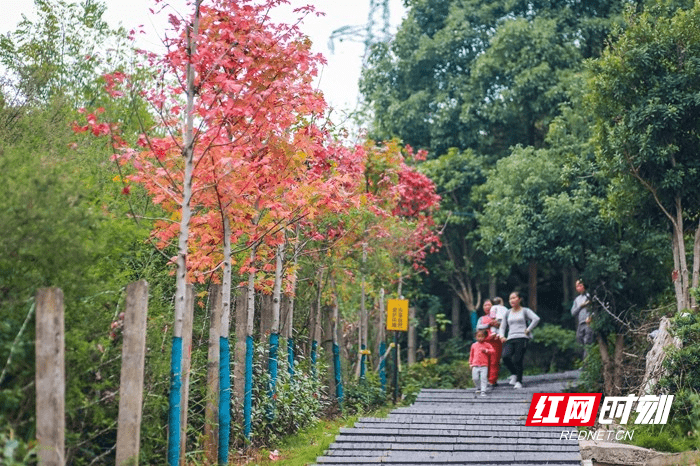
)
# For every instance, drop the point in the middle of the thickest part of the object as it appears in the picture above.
(516, 332)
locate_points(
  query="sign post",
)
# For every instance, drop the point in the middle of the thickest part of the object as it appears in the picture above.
(397, 320)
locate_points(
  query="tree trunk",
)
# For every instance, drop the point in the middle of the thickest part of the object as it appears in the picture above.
(456, 307)
(211, 409)
(680, 277)
(608, 369)
(618, 362)
(433, 336)
(239, 352)
(411, 336)
(250, 323)
(327, 343)
(492, 287)
(174, 411)
(532, 285)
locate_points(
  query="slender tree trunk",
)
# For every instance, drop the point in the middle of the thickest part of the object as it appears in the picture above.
(676, 277)
(411, 336)
(174, 410)
(239, 352)
(381, 341)
(618, 362)
(492, 286)
(187, 325)
(275, 324)
(289, 324)
(608, 369)
(363, 316)
(337, 370)
(327, 342)
(532, 285)
(315, 330)
(433, 335)
(456, 307)
(684, 275)
(225, 351)
(248, 398)
(211, 409)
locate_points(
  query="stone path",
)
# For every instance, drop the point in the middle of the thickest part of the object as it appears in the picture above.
(455, 427)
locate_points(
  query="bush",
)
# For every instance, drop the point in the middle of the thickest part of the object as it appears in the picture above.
(298, 401)
(364, 395)
(553, 348)
(429, 374)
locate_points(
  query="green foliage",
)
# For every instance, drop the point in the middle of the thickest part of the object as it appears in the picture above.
(480, 74)
(553, 348)
(14, 451)
(454, 349)
(591, 378)
(683, 364)
(671, 438)
(63, 53)
(430, 374)
(364, 395)
(298, 401)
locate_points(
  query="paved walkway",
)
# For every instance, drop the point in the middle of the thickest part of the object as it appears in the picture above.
(454, 427)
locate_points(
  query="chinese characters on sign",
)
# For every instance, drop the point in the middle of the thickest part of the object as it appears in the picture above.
(652, 409)
(397, 315)
(579, 409)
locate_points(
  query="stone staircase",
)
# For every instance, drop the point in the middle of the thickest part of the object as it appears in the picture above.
(455, 427)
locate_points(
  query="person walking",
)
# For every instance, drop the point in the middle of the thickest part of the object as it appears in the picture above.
(479, 356)
(516, 332)
(579, 310)
(488, 322)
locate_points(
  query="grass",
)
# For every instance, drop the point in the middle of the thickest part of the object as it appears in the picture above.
(304, 447)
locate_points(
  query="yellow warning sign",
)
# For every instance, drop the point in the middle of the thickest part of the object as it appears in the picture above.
(397, 315)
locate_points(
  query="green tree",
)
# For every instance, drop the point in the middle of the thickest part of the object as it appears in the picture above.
(480, 74)
(644, 95)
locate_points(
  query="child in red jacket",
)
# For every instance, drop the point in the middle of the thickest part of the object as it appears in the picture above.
(479, 361)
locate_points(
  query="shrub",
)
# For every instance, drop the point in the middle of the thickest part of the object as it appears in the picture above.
(364, 395)
(429, 374)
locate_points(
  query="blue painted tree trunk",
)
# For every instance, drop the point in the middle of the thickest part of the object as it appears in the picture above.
(224, 399)
(248, 399)
(363, 363)
(314, 348)
(382, 365)
(336, 371)
(174, 402)
(290, 357)
(272, 370)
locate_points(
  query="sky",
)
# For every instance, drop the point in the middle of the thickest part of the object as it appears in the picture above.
(338, 79)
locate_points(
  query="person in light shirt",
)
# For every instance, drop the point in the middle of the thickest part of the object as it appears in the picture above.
(580, 313)
(516, 332)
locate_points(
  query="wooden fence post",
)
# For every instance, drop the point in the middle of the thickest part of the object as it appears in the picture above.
(186, 363)
(131, 383)
(211, 410)
(50, 377)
